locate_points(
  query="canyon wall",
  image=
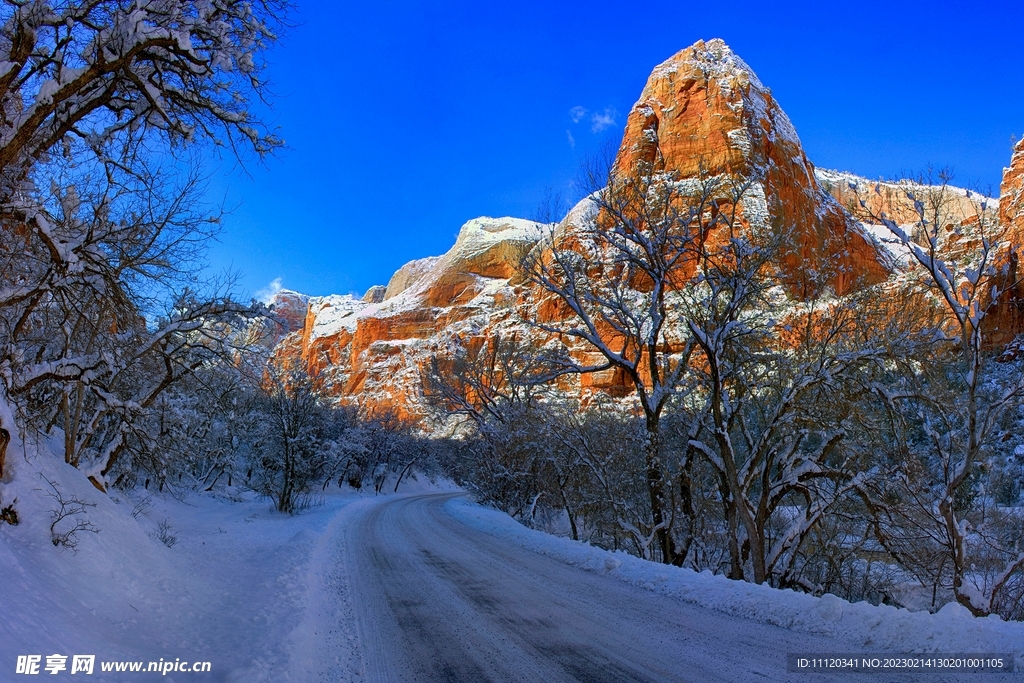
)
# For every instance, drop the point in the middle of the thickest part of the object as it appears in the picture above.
(702, 113)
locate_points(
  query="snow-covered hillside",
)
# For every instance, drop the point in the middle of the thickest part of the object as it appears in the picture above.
(231, 582)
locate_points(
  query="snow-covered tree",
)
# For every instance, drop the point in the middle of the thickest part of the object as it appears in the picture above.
(289, 437)
(100, 72)
(616, 270)
(952, 401)
(99, 219)
(770, 399)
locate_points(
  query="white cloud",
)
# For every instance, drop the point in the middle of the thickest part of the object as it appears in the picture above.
(267, 293)
(577, 113)
(572, 140)
(601, 120)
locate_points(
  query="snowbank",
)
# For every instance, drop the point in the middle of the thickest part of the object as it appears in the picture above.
(877, 628)
(254, 592)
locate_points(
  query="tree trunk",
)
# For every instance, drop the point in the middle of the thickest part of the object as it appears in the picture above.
(957, 554)
(284, 503)
(568, 510)
(729, 508)
(5, 438)
(757, 555)
(404, 472)
(686, 506)
(654, 487)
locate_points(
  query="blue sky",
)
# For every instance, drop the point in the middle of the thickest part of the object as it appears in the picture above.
(403, 120)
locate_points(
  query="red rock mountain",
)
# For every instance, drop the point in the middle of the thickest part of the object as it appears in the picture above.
(702, 109)
(705, 107)
(1007, 320)
(371, 351)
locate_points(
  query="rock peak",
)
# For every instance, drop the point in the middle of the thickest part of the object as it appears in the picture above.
(705, 105)
(713, 57)
(704, 111)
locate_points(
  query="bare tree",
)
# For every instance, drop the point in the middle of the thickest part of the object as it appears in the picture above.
(483, 378)
(771, 396)
(86, 347)
(494, 383)
(288, 443)
(961, 267)
(69, 519)
(616, 271)
(98, 71)
(97, 246)
(5, 438)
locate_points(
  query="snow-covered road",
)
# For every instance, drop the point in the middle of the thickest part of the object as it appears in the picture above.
(437, 600)
(414, 587)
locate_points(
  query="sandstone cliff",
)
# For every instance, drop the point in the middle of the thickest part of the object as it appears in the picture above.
(702, 111)
(372, 348)
(1011, 195)
(1007, 320)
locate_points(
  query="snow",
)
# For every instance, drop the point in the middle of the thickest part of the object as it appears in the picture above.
(269, 597)
(275, 294)
(883, 236)
(755, 206)
(480, 234)
(719, 60)
(241, 587)
(875, 628)
(264, 597)
(334, 313)
(260, 595)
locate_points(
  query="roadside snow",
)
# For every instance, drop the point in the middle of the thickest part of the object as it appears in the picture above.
(264, 597)
(243, 587)
(879, 629)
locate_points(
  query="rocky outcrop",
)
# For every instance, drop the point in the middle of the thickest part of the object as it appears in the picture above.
(286, 315)
(370, 348)
(375, 294)
(1011, 196)
(288, 309)
(890, 198)
(1006, 319)
(705, 112)
(409, 274)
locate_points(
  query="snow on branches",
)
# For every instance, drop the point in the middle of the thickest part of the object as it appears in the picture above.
(100, 228)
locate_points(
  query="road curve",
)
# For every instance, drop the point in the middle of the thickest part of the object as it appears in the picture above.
(436, 600)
